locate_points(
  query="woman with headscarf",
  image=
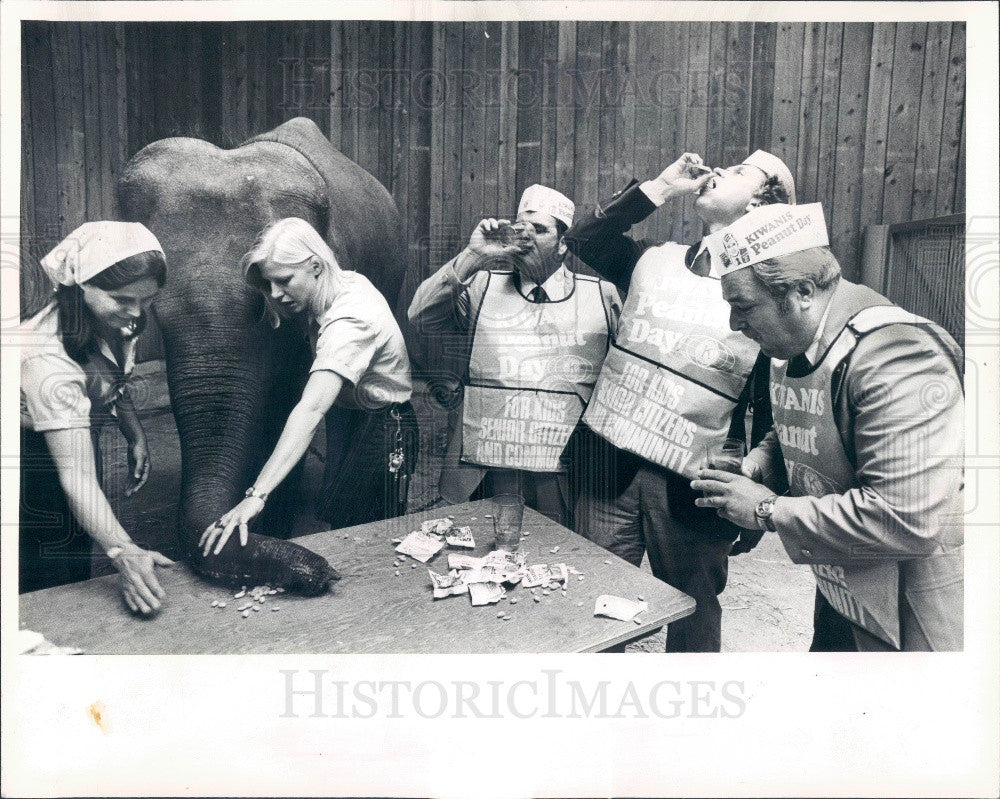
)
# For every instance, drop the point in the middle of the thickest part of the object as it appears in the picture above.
(76, 355)
(360, 363)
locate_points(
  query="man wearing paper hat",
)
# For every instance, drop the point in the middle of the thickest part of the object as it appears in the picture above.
(867, 438)
(675, 382)
(534, 335)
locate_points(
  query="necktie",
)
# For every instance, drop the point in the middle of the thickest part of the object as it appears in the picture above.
(538, 294)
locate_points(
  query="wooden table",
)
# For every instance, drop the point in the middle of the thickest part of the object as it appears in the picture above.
(370, 609)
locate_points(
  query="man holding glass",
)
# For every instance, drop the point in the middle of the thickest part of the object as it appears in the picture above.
(537, 335)
(675, 382)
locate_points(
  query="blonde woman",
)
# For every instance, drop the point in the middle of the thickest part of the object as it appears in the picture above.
(360, 364)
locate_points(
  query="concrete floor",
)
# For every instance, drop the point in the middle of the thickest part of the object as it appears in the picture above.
(767, 603)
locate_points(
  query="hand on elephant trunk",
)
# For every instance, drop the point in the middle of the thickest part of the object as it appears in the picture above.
(238, 517)
(267, 561)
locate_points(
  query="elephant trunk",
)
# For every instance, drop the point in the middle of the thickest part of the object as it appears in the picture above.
(230, 399)
(218, 407)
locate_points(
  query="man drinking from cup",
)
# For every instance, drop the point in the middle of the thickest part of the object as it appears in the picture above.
(537, 335)
(675, 380)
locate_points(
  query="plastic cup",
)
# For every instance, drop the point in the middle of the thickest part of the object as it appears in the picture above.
(508, 511)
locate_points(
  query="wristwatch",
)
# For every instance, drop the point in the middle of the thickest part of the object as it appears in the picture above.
(763, 513)
(253, 492)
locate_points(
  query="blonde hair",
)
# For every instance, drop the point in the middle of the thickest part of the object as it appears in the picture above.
(288, 241)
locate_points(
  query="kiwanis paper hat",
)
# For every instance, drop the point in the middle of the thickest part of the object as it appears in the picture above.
(93, 247)
(767, 232)
(547, 201)
(772, 166)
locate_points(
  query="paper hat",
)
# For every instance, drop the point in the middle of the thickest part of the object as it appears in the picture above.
(93, 247)
(767, 232)
(547, 201)
(772, 166)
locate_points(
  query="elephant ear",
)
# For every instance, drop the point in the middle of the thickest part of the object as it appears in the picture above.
(363, 226)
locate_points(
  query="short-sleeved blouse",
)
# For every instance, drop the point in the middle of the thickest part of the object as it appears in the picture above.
(359, 339)
(57, 393)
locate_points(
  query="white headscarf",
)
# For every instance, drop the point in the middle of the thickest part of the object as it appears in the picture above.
(93, 247)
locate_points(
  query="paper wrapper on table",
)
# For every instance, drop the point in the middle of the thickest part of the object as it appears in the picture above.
(420, 546)
(498, 566)
(457, 560)
(447, 584)
(461, 537)
(542, 574)
(616, 607)
(436, 526)
(486, 593)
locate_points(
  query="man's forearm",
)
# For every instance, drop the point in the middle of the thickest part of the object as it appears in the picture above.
(439, 304)
(598, 238)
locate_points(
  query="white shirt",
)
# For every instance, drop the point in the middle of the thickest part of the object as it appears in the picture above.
(812, 351)
(359, 339)
(557, 286)
(57, 393)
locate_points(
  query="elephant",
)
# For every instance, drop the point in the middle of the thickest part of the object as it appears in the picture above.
(233, 378)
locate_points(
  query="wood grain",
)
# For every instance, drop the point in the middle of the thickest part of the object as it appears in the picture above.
(877, 123)
(951, 172)
(869, 117)
(931, 120)
(529, 110)
(904, 114)
(370, 610)
(845, 225)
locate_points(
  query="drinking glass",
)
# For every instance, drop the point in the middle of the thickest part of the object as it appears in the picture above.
(726, 455)
(508, 511)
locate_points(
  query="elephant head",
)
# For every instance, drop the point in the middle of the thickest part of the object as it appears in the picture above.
(233, 379)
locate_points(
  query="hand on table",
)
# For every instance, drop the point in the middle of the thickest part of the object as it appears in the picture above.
(140, 589)
(240, 517)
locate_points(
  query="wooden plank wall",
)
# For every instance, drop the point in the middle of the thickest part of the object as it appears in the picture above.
(456, 119)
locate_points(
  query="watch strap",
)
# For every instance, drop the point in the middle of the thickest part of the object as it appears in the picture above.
(254, 492)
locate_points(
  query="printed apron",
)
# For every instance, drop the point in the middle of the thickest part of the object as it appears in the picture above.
(675, 372)
(531, 373)
(864, 590)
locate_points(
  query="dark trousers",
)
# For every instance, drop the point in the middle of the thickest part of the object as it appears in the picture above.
(54, 548)
(361, 487)
(687, 548)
